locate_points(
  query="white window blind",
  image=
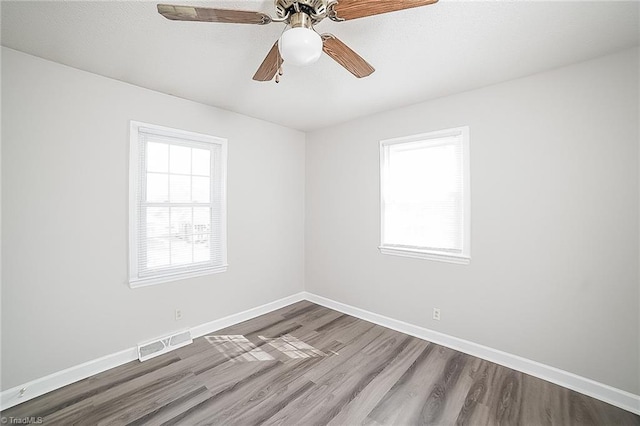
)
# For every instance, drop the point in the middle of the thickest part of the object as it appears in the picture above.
(177, 204)
(425, 196)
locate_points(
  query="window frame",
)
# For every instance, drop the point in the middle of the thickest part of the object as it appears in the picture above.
(423, 252)
(184, 138)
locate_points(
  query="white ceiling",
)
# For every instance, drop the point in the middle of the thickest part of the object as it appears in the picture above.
(419, 54)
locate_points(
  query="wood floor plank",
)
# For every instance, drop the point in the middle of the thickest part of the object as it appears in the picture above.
(544, 402)
(164, 413)
(448, 395)
(474, 410)
(368, 334)
(320, 323)
(339, 386)
(71, 415)
(301, 308)
(271, 406)
(403, 404)
(344, 386)
(141, 402)
(505, 398)
(267, 398)
(357, 410)
(308, 365)
(202, 411)
(230, 373)
(343, 329)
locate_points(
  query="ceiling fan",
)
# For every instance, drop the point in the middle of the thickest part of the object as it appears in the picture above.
(300, 44)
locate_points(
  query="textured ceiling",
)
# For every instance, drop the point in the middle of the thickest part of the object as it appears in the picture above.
(419, 54)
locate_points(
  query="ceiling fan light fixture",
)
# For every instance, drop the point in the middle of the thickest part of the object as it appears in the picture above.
(300, 46)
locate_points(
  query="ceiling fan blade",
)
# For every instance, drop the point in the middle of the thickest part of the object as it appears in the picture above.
(205, 14)
(269, 67)
(346, 57)
(352, 9)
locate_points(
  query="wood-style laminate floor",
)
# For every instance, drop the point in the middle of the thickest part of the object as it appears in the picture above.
(309, 365)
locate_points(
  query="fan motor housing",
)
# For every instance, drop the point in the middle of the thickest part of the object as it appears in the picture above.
(316, 9)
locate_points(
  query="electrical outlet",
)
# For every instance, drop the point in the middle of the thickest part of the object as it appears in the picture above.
(436, 314)
(178, 314)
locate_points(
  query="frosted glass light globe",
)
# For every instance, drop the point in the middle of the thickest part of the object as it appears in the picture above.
(300, 46)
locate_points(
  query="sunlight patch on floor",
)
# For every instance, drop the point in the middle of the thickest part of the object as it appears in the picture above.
(292, 347)
(238, 348)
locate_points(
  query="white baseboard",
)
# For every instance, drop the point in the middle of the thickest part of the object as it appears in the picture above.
(37, 387)
(619, 398)
(230, 320)
(606, 393)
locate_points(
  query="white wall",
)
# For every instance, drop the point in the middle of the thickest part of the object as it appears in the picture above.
(554, 243)
(555, 238)
(65, 147)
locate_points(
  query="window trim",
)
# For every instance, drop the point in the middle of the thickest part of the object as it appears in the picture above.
(135, 127)
(422, 252)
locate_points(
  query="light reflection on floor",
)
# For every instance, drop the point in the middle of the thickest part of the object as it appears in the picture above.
(239, 348)
(292, 347)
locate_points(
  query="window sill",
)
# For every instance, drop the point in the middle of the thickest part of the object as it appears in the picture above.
(421, 254)
(144, 282)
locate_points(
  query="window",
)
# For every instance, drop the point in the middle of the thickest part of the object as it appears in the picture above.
(177, 203)
(424, 195)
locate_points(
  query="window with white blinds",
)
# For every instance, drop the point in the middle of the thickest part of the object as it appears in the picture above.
(177, 203)
(424, 193)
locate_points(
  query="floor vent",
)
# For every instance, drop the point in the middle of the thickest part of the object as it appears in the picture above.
(163, 345)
